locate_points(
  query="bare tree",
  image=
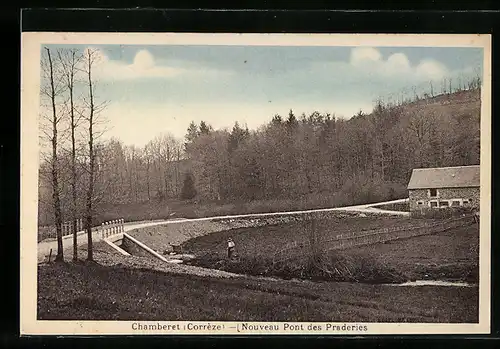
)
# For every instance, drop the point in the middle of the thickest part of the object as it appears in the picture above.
(52, 89)
(90, 59)
(69, 62)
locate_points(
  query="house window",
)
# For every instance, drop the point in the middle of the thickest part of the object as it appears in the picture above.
(433, 204)
(443, 204)
(455, 203)
(420, 203)
(433, 192)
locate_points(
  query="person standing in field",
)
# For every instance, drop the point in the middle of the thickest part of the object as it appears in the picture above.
(230, 248)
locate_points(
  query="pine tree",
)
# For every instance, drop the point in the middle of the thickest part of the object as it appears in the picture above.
(205, 128)
(188, 189)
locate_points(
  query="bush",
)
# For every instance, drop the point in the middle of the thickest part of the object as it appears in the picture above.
(449, 212)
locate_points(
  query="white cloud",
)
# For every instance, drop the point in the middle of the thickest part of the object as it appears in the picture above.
(431, 69)
(361, 55)
(399, 62)
(143, 66)
(370, 61)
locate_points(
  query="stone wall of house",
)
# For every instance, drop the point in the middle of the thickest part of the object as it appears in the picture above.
(422, 195)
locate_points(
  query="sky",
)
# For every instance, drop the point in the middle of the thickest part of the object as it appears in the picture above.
(161, 89)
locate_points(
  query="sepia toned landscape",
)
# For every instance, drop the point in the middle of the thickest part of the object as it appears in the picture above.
(155, 160)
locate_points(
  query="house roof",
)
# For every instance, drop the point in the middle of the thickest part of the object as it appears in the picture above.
(444, 177)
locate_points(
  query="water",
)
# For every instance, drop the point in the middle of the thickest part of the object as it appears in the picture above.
(435, 283)
(176, 261)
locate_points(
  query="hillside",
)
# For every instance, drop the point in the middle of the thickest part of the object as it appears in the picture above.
(446, 106)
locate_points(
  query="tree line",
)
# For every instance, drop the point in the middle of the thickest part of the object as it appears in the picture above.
(366, 158)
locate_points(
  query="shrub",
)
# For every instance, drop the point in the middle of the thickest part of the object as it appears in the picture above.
(449, 212)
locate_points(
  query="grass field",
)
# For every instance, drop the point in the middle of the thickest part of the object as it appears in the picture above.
(95, 292)
(448, 255)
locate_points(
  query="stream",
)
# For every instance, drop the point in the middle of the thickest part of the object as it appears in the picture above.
(435, 283)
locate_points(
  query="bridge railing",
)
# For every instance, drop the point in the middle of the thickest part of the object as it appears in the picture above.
(112, 227)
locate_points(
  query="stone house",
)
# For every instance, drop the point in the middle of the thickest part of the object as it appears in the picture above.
(444, 187)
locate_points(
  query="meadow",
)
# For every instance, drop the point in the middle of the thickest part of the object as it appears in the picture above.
(449, 255)
(97, 292)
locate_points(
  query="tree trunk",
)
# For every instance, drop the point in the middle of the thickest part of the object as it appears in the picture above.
(73, 160)
(90, 189)
(148, 180)
(55, 180)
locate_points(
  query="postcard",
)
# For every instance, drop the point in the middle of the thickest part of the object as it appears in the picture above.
(255, 184)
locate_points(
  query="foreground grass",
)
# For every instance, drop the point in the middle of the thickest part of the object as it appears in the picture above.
(95, 292)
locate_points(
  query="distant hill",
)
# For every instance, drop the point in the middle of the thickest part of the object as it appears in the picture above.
(466, 102)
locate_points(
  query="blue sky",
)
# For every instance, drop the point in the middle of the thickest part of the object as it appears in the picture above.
(155, 89)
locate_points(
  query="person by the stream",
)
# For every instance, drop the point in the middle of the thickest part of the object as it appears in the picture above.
(230, 248)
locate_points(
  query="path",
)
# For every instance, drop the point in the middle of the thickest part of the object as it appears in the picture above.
(44, 247)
